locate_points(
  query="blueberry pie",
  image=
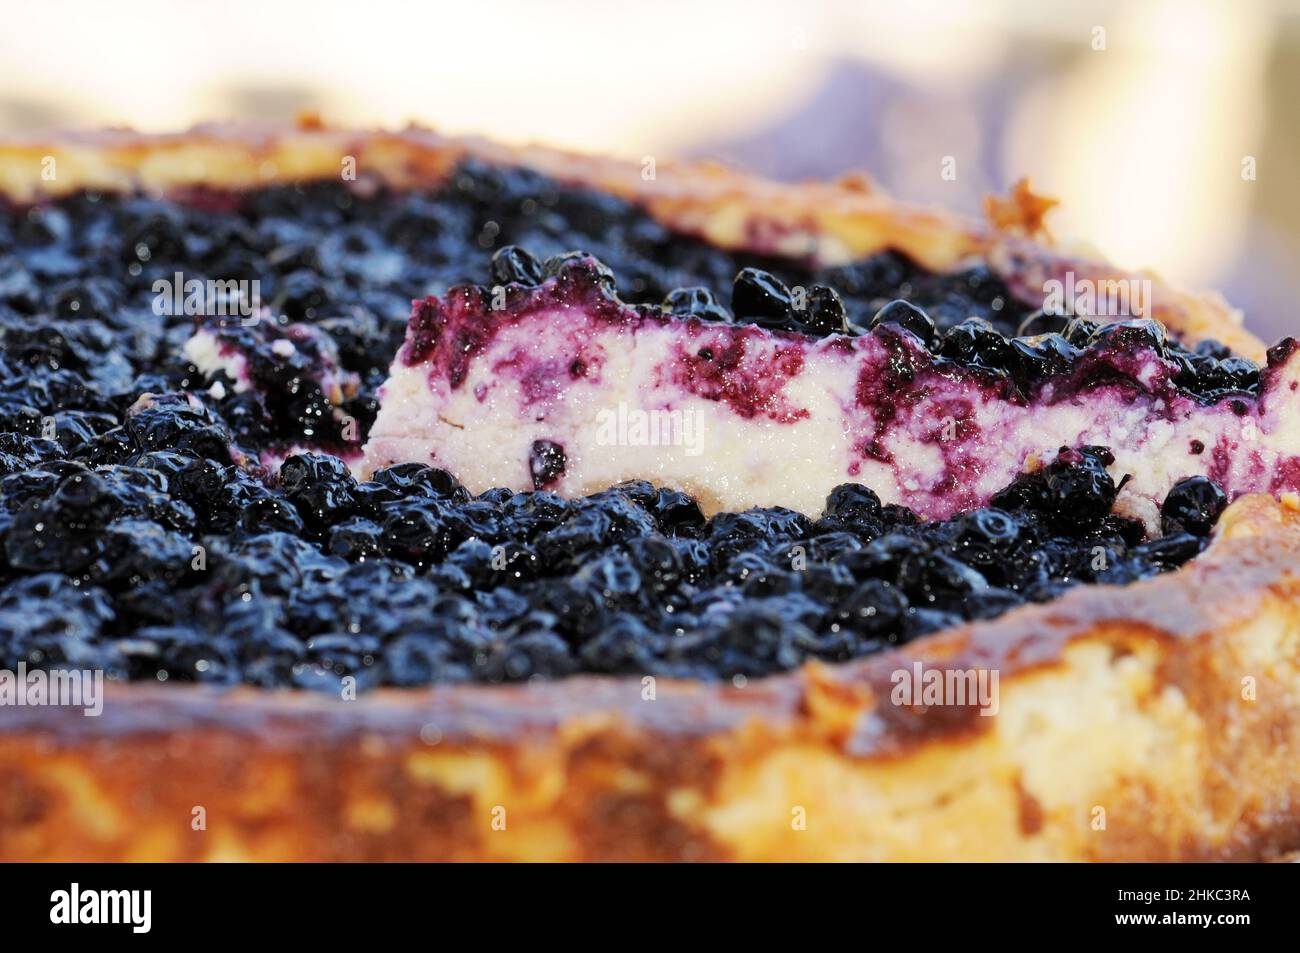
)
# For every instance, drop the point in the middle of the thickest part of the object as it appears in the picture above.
(495, 503)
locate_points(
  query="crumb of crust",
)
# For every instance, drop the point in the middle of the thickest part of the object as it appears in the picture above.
(858, 182)
(1022, 211)
(834, 704)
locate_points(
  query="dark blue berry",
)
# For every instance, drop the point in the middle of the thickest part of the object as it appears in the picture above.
(1139, 332)
(759, 296)
(546, 462)
(1036, 359)
(1041, 322)
(1171, 551)
(824, 312)
(695, 302)
(854, 503)
(1078, 490)
(512, 264)
(909, 317)
(974, 342)
(1192, 506)
(874, 608)
(985, 538)
(1080, 332)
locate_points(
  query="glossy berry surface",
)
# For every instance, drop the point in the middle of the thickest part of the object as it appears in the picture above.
(760, 296)
(513, 264)
(149, 528)
(824, 312)
(546, 463)
(695, 302)
(1192, 506)
(909, 317)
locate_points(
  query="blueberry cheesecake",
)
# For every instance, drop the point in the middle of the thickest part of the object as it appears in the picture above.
(563, 387)
(427, 499)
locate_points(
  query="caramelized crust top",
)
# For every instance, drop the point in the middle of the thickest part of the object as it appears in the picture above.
(828, 222)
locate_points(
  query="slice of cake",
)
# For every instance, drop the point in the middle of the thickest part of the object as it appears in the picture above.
(554, 383)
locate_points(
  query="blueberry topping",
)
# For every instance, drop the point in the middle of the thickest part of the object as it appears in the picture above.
(1078, 490)
(984, 538)
(974, 342)
(1280, 351)
(1192, 506)
(1142, 332)
(909, 317)
(148, 530)
(546, 463)
(579, 262)
(511, 263)
(1080, 332)
(1238, 373)
(1036, 359)
(760, 296)
(854, 503)
(875, 608)
(1209, 377)
(1074, 492)
(1041, 322)
(417, 479)
(824, 313)
(1170, 551)
(695, 302)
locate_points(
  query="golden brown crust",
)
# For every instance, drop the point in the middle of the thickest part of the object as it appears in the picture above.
(1156, 721)
(825, 221)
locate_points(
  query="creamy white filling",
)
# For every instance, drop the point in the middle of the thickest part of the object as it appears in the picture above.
(483, 430)
(204, 352)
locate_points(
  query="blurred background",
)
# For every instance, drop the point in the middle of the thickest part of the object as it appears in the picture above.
(1170, 129)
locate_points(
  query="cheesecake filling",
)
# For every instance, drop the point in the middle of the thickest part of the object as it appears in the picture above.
(740, 416)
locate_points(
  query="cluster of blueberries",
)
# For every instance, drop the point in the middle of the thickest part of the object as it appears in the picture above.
(1042, 346)
(971, 320)
(134, 539)
(176, 566)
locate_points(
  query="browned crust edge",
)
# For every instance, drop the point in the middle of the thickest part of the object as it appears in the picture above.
(1124, 701)
(825, 221)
